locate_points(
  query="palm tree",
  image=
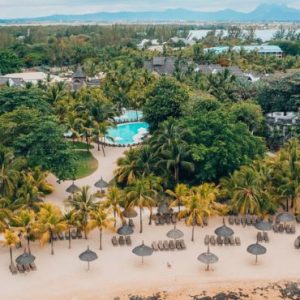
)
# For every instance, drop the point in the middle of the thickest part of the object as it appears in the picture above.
(141, 194)
(115, 199)
(70, 221)
(10, 240)
(200, 203)
(25, 220)
(181, 190)
(100, 218)
(82, 203)
(49, 221)
(5, 213)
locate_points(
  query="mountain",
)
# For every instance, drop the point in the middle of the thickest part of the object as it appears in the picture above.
(264, 12)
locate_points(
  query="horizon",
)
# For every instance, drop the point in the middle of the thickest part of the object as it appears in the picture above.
(75, 7)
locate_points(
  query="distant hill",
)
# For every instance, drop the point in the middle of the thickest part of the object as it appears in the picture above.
(264, 12)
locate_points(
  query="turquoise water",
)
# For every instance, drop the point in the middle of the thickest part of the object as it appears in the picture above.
(129, 133)
(130, 115)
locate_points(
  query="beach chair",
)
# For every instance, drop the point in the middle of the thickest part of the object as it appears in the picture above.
(243, 221)
(79, 234)
(54, 237)
(212, 240)
(166, 245)
(253, 219)
(287, 229)
(61, 236)
(178, 245)
(259, 237)
(128, 240)
(155, 246)
(26, 267)
(13, 269)
(67, 235)
(293, 229)
(248, 220)
(271, 219)
(172, 245)
(182, 244)
(121, 240)
(266, 237)
(160, 245)
(20, 268)
(226, 241)
(231, 220)
(219, 241)
(205, 221)
(32, 266)
(173, 219)
(237, 241)
(275, 228)
(161, 220)
(157, 220)
(298, 218)
(297, 243)
(114, 241)
(232, 241)
(130, 223)
(237, 220)
(281, 228)
(73, 234)
(206, 240)
(168, 219)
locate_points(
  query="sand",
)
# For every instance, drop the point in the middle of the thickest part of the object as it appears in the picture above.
(118, 272)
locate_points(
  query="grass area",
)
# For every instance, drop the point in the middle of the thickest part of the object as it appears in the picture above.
(86, 164)
(80, 145)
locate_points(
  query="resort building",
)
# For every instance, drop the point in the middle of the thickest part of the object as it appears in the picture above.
(80, 79)
(13, 82)
(161, 65)
(260, 49)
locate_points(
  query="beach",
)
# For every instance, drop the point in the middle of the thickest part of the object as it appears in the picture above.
(118, 273)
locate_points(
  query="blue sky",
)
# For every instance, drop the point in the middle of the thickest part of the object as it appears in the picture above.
(30, 8)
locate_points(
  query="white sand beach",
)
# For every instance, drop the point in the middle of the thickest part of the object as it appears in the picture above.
(118, 272)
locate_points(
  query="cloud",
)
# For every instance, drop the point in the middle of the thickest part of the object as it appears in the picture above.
(31, 8)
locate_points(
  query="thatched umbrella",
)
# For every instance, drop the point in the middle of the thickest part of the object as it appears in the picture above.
(224, 230)
(73, 188)
(175, 233)
(285, 217)
(125, 230)
(129, 213)
(142, 251)
(88, 256)
(208, 258)
(256, 249)
(101, 184)
(264, 226)
(25, 259)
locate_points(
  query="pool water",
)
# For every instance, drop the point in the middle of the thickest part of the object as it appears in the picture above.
(128, 133)
(130, 115)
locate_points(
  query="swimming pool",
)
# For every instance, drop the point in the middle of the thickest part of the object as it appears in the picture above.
(127, 134)
(129, 116)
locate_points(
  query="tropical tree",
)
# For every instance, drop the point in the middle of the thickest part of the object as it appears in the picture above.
(70, 221)
(181, 190)
(199, 203)
(10, 240)
(49, 221)
(82, 203)
(100, 219)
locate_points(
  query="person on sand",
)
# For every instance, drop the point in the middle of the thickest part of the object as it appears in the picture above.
(169, 265)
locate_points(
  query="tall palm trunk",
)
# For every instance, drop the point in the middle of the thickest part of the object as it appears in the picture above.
(141, 220)
(28, 244)
(87, 142)
(193, 229)
(150, 217)
(100, 238)
(115, 217)
(52, 242)
(70, 238)
(98, 143)
(176, 173)
(10, 254)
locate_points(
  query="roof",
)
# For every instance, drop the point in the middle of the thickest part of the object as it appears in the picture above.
(247, 48)
(161, 65)
(28, 76)
(79, 73)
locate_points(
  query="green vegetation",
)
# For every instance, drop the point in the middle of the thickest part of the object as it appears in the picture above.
(86, 164)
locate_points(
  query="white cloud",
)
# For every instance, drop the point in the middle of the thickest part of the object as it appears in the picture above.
(30, 8)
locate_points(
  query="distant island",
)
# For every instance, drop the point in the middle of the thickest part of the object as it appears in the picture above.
(264, 12)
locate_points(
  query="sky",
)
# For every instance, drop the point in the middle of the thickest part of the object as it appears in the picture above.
(34, 8)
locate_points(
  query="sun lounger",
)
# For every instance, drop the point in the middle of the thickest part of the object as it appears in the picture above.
(13, 269)
(121, 240)
(20, 268)
(32, 266)
(182, 244)
(212, 240)
(27, 267)
(298, 219)
(266, 237)
(206, 240)
(248, 220)
(226, 241)
(281, 228)
(172, 245)
(271, 219)
(231, 241)
(157, 220)
(287, 229)
(259, 237)
(114, 241)
(166, 245)
(237, 241)
(237, 220)
(293, 229)
(128, 240)
(155, 246)
(130, 223)
(54, 237)
(61, 236)
(160, 245)
(243, 221)
(79, 234)
(73, 234)
(178, 245)
(67, 235)
(297, 243)
(230, 220)
(168, 219)
(161, 220)
(253, 219)
(173, 218)
(219, 241)
(205, 221)
(275, 228)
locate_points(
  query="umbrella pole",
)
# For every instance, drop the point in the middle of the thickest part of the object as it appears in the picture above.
(88, 265)
(142, 260)
(255, 259)
(207, 269)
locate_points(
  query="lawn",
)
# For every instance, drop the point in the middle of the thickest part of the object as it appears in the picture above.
(80, 145)
(86, 164)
